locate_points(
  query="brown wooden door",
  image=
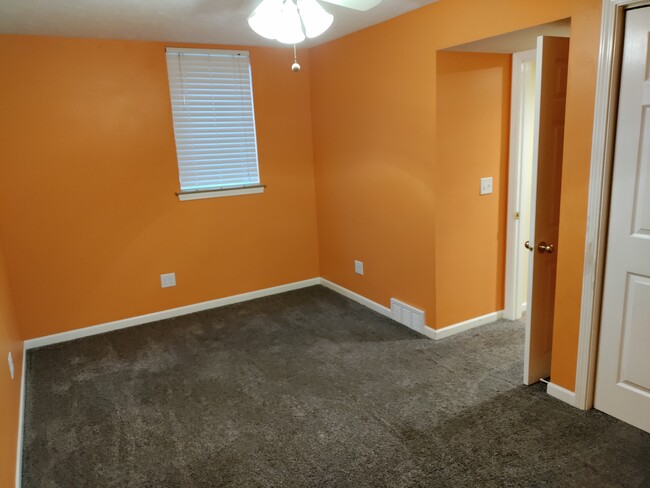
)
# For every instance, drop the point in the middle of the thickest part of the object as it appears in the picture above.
(552, 64)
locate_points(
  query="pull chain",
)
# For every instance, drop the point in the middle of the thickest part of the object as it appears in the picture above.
(295, 67)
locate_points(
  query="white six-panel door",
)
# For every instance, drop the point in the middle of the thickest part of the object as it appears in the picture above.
(623, 371)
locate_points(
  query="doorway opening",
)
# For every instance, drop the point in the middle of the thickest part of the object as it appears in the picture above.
(520, 180)
(530, 183)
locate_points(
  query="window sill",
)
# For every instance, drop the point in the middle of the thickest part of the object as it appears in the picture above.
(225, 192)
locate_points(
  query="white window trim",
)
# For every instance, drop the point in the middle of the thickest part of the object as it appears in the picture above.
(218, 193)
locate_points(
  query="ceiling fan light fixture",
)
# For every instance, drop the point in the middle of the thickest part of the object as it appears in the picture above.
(314, 17)
(289, 29)
(288, 21)
(265, 19)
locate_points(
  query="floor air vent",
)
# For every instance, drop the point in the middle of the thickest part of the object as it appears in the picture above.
(407, 315)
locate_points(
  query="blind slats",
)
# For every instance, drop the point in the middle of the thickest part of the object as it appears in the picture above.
(203, 116)
(214, 120)
(200, 160)
(207, 153)
(188, 92)
(197, 177)
(215, 168)
(199, 134)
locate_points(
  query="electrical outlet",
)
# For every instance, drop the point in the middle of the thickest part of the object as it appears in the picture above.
(358, 267)
(11, 366)
(486, 186)
(167, 280)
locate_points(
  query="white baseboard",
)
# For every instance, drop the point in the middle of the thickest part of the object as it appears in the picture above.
(21, 422)
(561, 393)
(356, 297)
(377, 307)
(430, 332)
(165, 314)
(468, 324)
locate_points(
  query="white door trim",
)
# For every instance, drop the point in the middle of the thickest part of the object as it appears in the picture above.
(599, 183)
(513, 307)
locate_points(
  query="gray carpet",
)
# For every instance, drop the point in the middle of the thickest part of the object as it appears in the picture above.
(309, 389)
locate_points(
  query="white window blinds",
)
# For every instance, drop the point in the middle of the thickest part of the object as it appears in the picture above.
(214, 121)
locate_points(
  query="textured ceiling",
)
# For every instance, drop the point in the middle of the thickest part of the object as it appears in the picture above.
(201, 21)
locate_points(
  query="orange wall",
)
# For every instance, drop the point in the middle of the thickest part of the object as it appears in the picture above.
(585, 36)
(373, 149)
(89, 172)
(88, 208)
(380, 182)
(9, 389)
(473, 121)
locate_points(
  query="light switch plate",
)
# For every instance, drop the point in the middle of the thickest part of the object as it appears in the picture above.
(486, 186)
(358, 267)
(168, 280)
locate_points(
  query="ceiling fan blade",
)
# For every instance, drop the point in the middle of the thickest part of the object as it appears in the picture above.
(355, 4)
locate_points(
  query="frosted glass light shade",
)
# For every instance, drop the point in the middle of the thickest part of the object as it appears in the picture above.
(283, 20)
(265, 19)
(290, 28)
(314, 17)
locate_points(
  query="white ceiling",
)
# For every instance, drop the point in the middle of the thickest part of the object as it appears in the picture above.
(200, 21)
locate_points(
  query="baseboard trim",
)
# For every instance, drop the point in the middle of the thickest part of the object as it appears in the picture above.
(468, 324)
(21, 422)
(356, 297)
(561, 393)
(377, 307)
(430, 332)
(165, 314)
(427, 331)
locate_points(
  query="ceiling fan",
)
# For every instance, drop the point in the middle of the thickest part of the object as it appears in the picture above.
(290, 21)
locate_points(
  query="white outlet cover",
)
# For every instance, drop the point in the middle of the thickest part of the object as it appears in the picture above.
(168, 280)
(358, 267)
(486, 186)
(11, 366)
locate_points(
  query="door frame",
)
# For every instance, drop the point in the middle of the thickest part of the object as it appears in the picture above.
(600, 178)
(513, 309)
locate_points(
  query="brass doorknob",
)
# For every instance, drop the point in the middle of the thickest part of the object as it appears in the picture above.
(545, 248)
(528, 246)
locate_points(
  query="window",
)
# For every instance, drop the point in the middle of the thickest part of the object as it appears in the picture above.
(214, 122)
